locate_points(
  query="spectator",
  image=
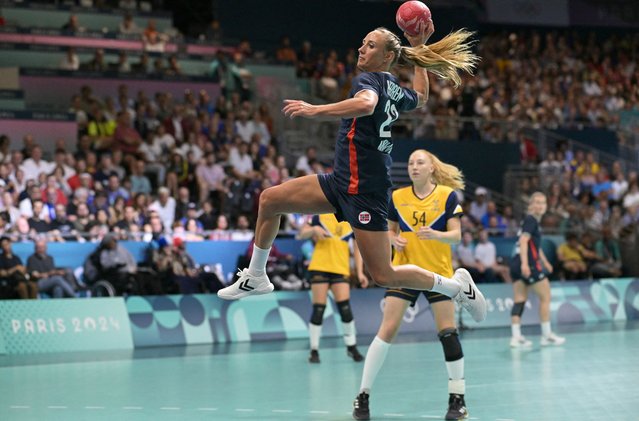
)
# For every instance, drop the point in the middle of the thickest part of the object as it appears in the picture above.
(100, 129)
(117, 265)
(465, 254)
(285, 54)
(97, 63)
(128, 25)
(631, 199)
(164, 206)
(142, 65)
(208, 218)
(303, 165)
(213, 31)
(211, 177)
(70, 61)
(491, 212)
(13, 273)
(242, 231)
(72, 26)
(140, 183)
(152, 39)
(571, 259)
(609, 256)
(115, 191)
(126, 138)
(50, 280)
(486, 258)
(35, 165)
(479, 206)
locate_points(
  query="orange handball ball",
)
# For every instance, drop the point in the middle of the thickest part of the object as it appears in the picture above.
(411, 15)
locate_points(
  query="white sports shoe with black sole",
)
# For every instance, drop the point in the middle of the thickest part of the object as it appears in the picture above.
(470, 297)
(246, 285)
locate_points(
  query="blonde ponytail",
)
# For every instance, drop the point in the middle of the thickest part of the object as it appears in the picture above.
(445, 57)
(445, 174)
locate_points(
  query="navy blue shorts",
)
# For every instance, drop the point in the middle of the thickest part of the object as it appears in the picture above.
(318, 277)
(365, 211)
(536, 275)
(412, 295)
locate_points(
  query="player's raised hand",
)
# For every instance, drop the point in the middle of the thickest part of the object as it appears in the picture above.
(296, 108)
(422, 37)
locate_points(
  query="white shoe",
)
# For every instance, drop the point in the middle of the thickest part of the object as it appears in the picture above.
(552, 339)
(520, 342)
(246, 285)
(469, 296)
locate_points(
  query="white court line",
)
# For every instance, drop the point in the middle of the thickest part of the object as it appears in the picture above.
(207, 409)
(283, 410)
(56, 407)
(320, 412)
(19, 407)
(504, 419)
(244, 410)
(93, 407)
(170, 408)
(131, 407)
(393, 415)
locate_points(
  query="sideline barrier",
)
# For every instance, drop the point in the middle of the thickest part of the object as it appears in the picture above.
(101, 324)
(40, 326)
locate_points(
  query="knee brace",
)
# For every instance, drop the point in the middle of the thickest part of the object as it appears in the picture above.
(345, 312)
(518, 309)
(318, 314)
(450, 343)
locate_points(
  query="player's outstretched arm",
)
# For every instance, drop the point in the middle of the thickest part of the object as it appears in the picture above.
(362, 104)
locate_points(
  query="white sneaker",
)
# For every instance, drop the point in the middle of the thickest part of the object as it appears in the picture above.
(469, 296)
(246, 285)
(552, 339)
(520, 342)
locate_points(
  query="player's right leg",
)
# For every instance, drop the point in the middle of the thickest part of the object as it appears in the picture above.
(394, 310)
(375, 249)
(548, 337)
(299, 195)
(520, 295)
(319, 291)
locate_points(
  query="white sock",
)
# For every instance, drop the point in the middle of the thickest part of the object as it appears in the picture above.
(457, 386)
(455, 369)
(447, 286)
(374, 360)
(350, 337)
(314, 333)
(257, 267)
(545, 328)
(516, 330)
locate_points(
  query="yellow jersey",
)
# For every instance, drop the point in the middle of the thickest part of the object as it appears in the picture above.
(433, 211)
(332, 254)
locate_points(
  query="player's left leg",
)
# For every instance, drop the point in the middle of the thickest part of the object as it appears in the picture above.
(342, 294)
(376, 253)
(444, 313)
(319, 291)
(548, 337)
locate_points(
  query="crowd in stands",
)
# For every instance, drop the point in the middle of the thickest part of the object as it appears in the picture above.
(192, 168)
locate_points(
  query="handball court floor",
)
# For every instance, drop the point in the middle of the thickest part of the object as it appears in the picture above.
(592, 377)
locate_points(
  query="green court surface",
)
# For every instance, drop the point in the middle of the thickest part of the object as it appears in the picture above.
(592, 377)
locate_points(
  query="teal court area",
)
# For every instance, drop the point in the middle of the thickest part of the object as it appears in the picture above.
(593, 377)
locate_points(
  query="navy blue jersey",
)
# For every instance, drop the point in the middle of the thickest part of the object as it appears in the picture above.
(362, 151)
(530, 226)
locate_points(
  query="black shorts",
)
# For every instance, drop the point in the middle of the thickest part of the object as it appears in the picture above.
(366, 211)
(536, 275)
(318, 277)
(412, 295)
